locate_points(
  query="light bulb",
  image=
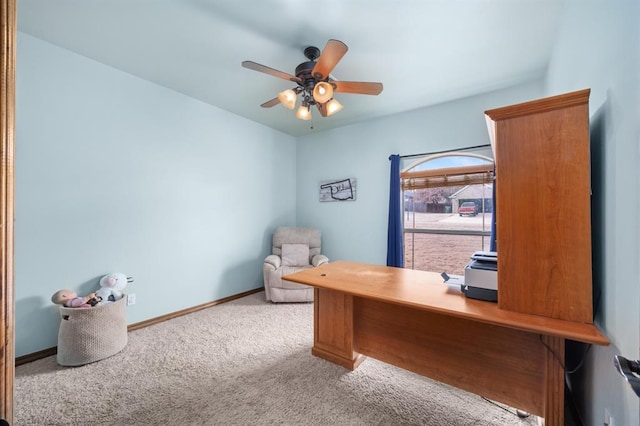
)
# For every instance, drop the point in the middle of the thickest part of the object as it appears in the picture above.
(322, 92)
(303, 112)
(287, 98)
(333, 106)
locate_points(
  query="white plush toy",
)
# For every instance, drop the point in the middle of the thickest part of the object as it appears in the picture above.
(111, 287)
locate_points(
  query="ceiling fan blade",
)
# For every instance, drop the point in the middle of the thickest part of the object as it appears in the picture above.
(267, 70)
(359, 87)
(273, 102)
(322, 108)
(329, 58)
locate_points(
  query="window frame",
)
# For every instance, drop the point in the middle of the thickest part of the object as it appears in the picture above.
(430, 177)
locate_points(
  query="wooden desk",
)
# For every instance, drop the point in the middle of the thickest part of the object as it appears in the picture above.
(412, 320)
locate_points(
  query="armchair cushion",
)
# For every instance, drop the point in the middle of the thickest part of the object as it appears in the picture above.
(295, 255)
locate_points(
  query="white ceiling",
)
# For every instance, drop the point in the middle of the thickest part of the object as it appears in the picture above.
(424, 51)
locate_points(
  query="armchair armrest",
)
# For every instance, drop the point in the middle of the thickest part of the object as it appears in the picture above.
(273, 260)
(319, 259)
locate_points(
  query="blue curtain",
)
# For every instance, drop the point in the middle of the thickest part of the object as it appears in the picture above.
(395, 256)
(493, 244)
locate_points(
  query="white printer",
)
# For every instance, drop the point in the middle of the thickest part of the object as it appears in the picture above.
(481, 276)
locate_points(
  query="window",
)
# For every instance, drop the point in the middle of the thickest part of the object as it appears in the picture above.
(448, 208)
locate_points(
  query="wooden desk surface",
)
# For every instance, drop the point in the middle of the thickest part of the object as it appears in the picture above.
(426, 291)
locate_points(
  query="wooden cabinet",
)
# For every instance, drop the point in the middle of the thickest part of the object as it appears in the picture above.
(543, 206)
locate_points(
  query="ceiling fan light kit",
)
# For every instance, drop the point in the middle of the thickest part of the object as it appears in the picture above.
(304, 112)
(333, 106)
(322, 92)
(288, 98)
(315, 83)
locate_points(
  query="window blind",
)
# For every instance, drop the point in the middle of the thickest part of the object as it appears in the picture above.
(452, 176)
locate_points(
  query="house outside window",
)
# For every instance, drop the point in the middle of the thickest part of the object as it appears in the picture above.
(447, 209)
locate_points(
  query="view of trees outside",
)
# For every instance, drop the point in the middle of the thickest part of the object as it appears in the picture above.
(436, 237)
(434, 200)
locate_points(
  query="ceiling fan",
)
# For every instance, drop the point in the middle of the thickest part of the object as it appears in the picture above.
(315, 82)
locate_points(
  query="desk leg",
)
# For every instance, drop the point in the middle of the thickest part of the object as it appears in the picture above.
(333, 328)
(554, 381)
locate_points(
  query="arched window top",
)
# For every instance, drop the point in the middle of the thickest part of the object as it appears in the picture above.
(448, 160)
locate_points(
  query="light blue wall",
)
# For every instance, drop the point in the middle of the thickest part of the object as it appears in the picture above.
(357, 230)
(116, 174)
(599, 47)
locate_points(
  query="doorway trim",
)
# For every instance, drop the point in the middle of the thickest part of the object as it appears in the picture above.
(8, 31)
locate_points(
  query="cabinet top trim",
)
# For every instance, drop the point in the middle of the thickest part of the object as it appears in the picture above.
(540, 105)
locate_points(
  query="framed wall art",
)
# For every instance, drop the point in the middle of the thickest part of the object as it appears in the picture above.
(338, 190)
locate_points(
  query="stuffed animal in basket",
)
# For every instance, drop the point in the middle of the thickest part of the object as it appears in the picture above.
(111, 287)
(95, 299)
(69, 299)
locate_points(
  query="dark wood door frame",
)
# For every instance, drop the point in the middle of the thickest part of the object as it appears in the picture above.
(7, 129)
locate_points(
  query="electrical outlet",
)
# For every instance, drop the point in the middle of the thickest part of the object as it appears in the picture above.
(131, 299)
(608, 419)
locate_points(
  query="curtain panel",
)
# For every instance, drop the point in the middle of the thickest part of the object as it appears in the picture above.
(395, 250)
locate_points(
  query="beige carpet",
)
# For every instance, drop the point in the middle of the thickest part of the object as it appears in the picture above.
(246, 362)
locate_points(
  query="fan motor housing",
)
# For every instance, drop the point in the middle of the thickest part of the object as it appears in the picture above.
(303, 72)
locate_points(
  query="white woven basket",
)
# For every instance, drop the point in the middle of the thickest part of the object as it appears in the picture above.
(91, 334)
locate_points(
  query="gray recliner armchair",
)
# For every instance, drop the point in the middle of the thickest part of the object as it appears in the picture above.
(293, 250)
